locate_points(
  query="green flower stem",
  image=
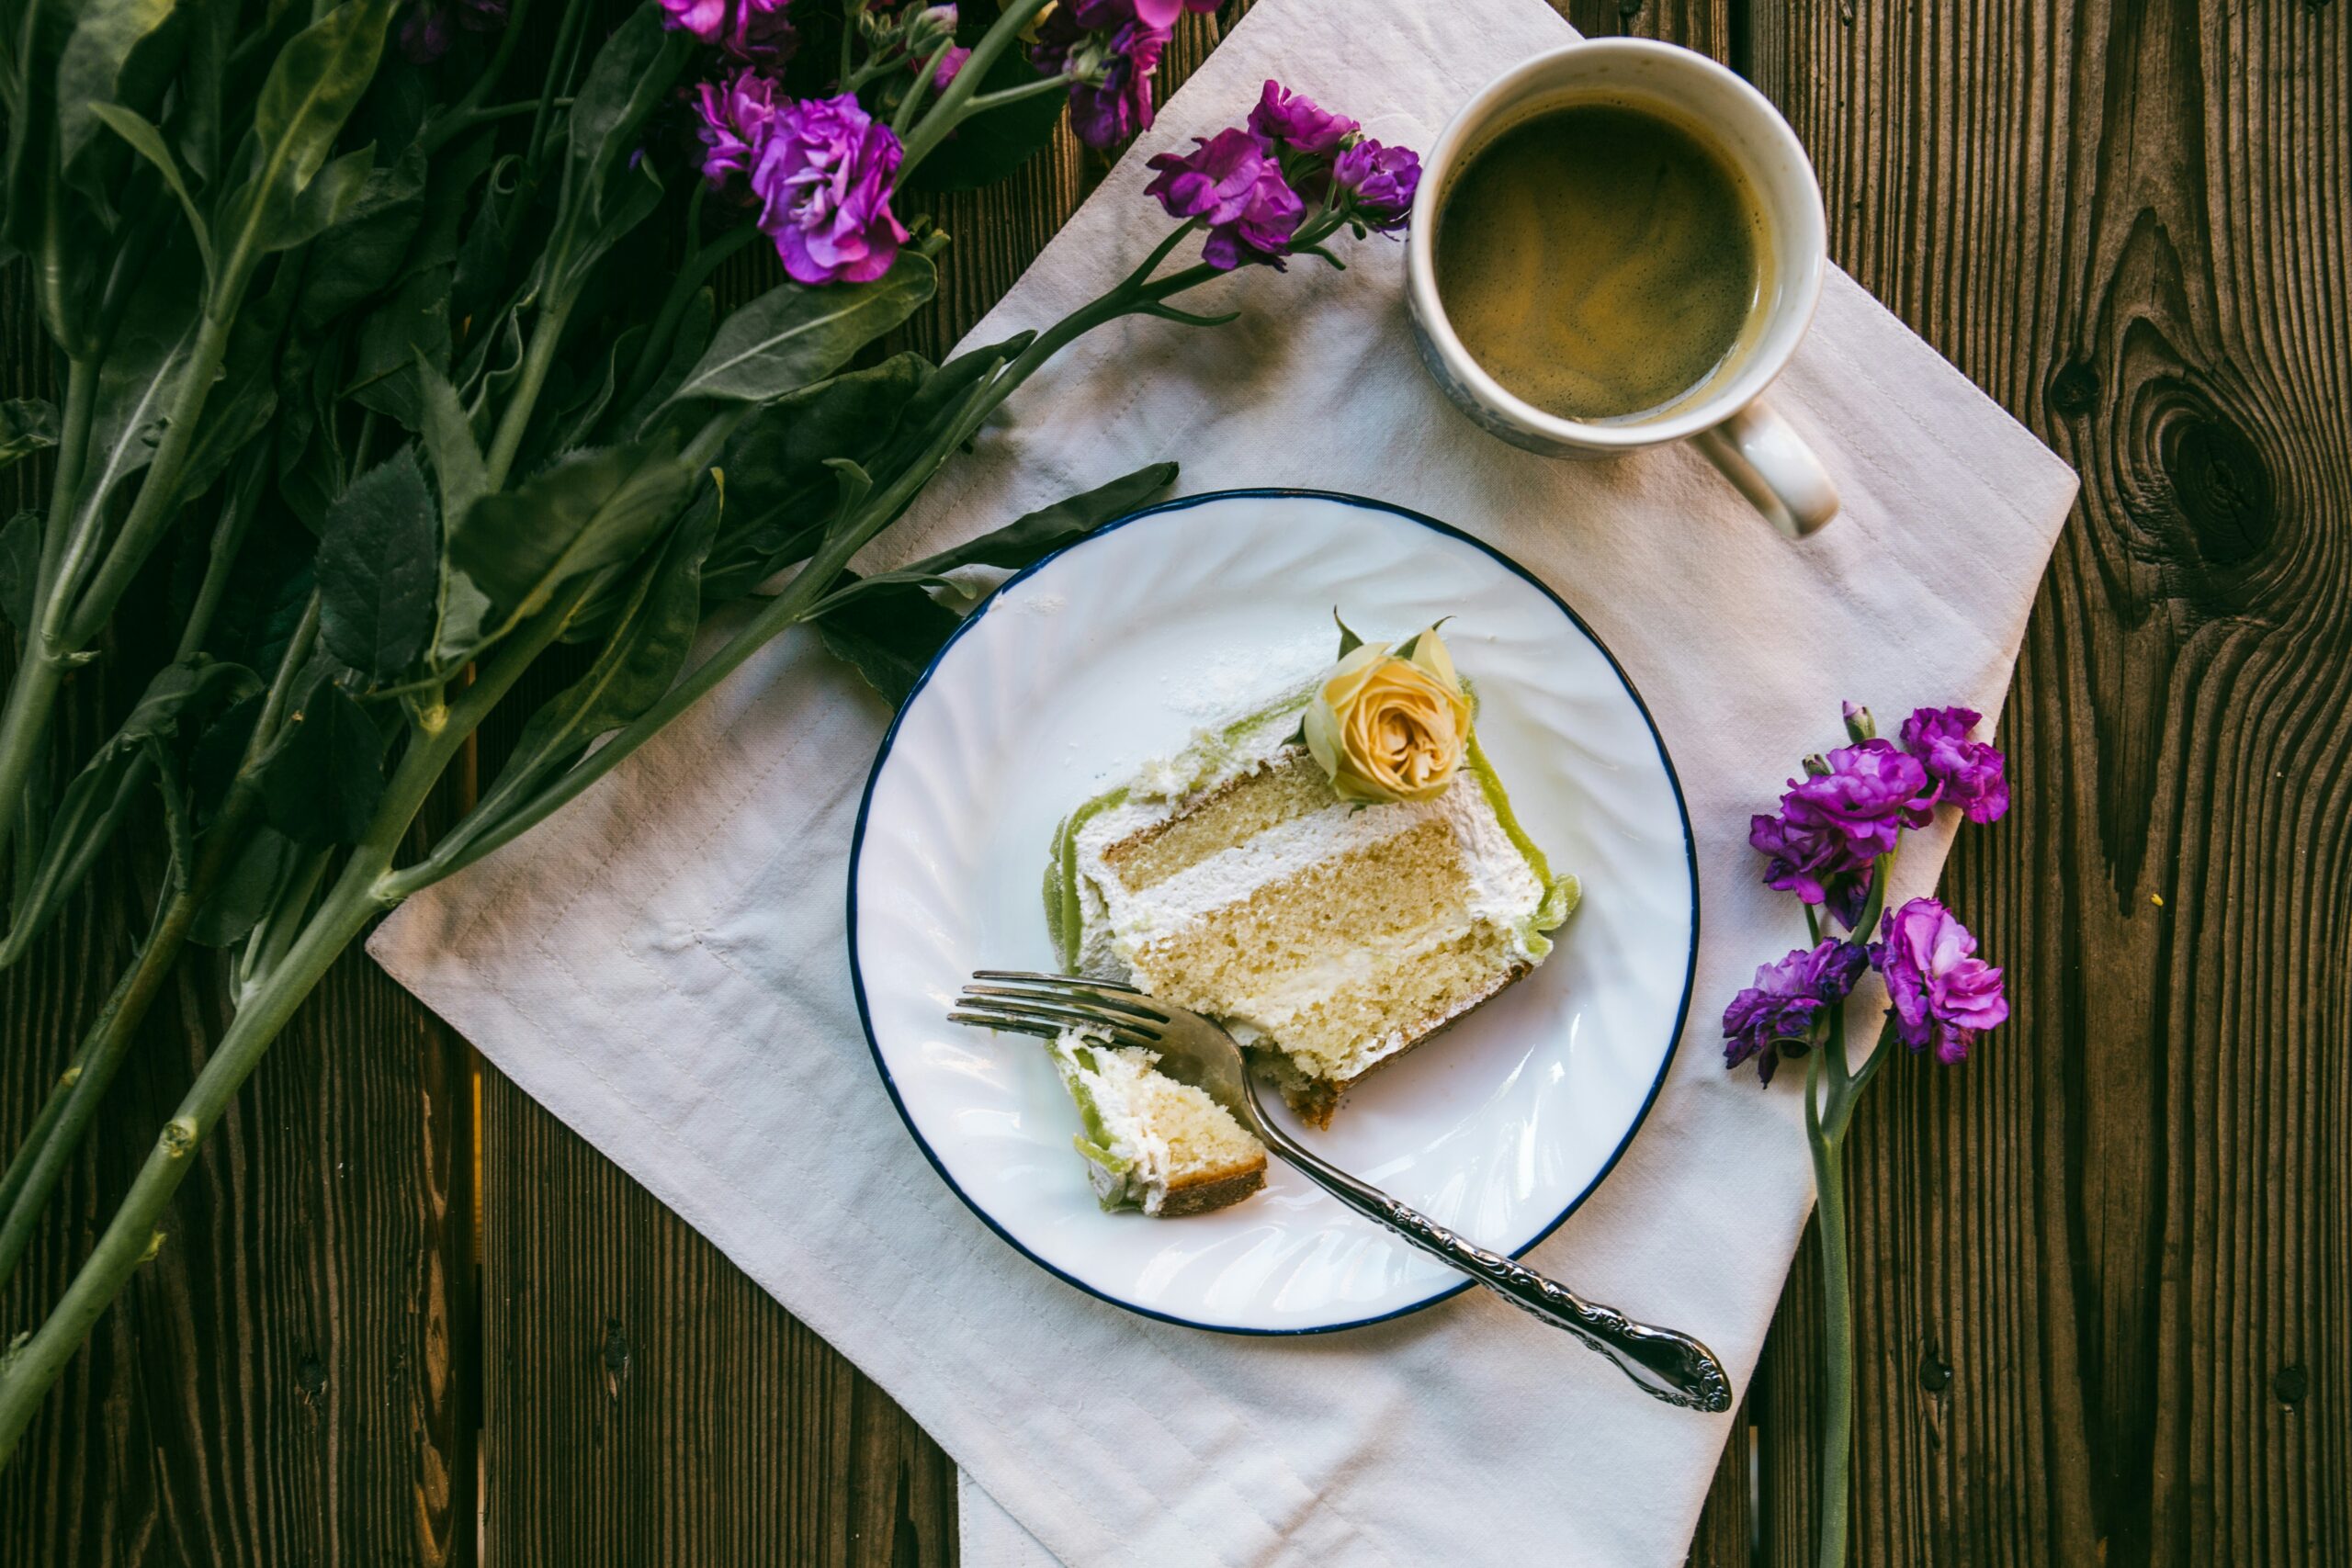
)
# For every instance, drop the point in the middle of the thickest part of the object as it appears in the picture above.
(567, 39)
(356, 896)
(32, 691)
(84, 1084)
(39, 1163)
(983, 102)
(546, 332)
(1825, 1131)
(468, 112)
(949, 111)
(919, 89)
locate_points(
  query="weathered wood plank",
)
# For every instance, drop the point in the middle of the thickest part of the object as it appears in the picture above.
(2103, 1268)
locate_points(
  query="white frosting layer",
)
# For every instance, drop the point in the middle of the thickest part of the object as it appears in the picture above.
(1503, 889)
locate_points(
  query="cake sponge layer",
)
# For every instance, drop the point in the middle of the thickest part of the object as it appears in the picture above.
(1344, 962)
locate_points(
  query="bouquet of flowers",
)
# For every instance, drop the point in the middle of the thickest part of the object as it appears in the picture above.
(368, 403)
(1833, 843)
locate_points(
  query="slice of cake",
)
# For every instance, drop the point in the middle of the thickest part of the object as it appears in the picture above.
(1336, 876)
(1151, 1142)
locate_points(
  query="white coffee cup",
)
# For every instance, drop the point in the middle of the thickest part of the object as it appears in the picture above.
(1754, 447)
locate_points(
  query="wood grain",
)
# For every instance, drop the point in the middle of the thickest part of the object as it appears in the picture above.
(2103, 1268)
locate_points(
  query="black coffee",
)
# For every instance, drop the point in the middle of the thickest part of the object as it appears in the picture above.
(1598, 260)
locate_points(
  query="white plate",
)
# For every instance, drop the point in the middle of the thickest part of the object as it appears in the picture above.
(1114, 651)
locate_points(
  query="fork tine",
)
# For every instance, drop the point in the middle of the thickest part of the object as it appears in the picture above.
(1080, 1018)
(1074, 992)
(1036, 979)
(981, 1021)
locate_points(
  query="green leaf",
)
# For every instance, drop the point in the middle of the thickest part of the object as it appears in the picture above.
(458, 464)
(992, 146)
(322, 783)
(1348, 641)
(362, 254)
(576, 418)
(465, 610)
(379, 570)
(630, 76)
(90, 72)
(246, 891)
(695, 324)
(137, 382)
(94, 804)
(312, 88)
(890, 628)
(244, 399)
(641, 659)
(890, 635)
(412, 326)
(793, 335)
(27, 426)
(20, 570)
(148, 142)
(584, 510)
(1038, 535)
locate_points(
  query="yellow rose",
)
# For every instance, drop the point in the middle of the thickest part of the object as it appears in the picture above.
(1387, 728)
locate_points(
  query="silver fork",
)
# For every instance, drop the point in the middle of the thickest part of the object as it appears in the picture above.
(1667, 1365)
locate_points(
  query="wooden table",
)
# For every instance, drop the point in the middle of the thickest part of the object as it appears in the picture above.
(2105, 1271)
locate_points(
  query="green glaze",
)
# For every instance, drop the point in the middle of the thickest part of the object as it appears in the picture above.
(1561, 893)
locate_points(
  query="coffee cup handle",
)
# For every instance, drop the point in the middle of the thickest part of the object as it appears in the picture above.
(1770, 464)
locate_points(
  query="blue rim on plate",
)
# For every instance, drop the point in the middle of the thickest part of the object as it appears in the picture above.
(882, 757)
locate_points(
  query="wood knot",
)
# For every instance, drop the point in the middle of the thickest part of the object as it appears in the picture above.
(1934, 1373)
(2291, 1384)
(2073, 391)
(615, 1355)
(2221, 485)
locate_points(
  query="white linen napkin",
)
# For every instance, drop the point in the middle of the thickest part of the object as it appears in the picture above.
(663, 965)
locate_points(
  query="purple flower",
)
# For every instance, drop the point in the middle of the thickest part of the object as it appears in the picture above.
(431, 26)
(949, 64)
(748, 29)
(1832, 826)
(1151, 13)
(1108, 54)
(822, 174)
(1774, 1018)
(1942, 994)
(1971, 774)
(734, 119)
(1284, 119)
(1236, 187)
(1379, 181)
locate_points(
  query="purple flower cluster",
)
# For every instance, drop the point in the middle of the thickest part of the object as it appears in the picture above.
(1249, 186)
(1230, 184)
(1825, 845)
(431, 26)
(1970, 774)
(1836, 822)
(821, 169)
(756, 30)
(1776, 1017)
(1109, 49)
(1940, 993)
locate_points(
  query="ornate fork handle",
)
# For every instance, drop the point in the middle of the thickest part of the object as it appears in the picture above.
(1667, 1365)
